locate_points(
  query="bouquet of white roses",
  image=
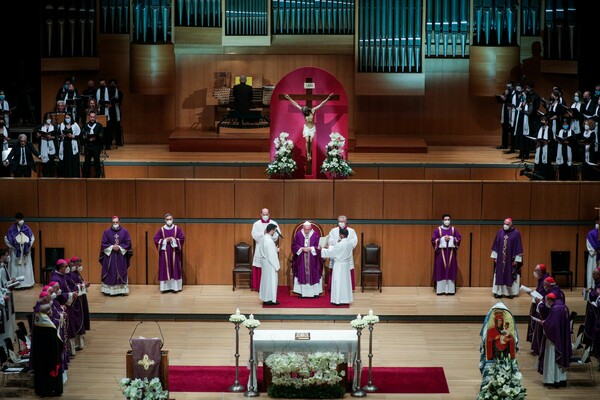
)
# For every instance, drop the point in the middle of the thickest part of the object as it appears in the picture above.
(502, 381)
(283, 163)
(335, 163)
(143, 389)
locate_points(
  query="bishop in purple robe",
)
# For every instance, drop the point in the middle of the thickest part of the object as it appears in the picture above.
(307, 265)
(115, 256)
(169, 241)
(548, 286)
(592, 314)
(445, 241)
(592, 242)
(507, 252)
(555, 354)
(69, 297)
(19, 240)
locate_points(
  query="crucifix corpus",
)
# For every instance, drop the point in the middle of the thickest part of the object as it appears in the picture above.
(309, 129)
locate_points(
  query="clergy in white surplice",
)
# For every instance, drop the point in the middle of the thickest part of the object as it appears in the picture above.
(341, 254)
(269, 263)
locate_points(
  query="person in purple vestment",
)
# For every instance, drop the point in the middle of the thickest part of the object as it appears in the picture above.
(549, 285)
(20, 239)
(115, 256)
(445, 241)
(76, 327)
(58, 316)
(68, 298)
(169, 241)
(592, 314)
(307, 265)
(507, 252)
(593, 246)
(83, 286)
(539, 272)
(555, 354)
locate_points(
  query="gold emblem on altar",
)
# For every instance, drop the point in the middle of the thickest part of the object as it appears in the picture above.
(146, 362)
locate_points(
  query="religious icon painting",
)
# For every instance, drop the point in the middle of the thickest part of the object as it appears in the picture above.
(501, 337)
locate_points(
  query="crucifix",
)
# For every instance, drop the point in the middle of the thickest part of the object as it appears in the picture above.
(309, 129)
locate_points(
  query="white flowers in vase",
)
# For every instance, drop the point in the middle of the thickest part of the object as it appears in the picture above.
(283, 162)
(371, 318)
(237, 317)
(359, 322)
(502, 380)
(143, 389)
(251, 322)
(334, 162)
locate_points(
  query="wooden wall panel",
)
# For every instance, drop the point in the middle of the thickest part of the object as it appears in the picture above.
(62, 197)
(253, 173)
(497, 174)
(209, 199)
(358, 199)
(216, 172)
(402, 173)
(365, 173)
(157, 197)
(90, 260)
(66, 235)
(462, 200)
(209, 264)
(252, 196)
(106, 198)
(407, 200)
(448, 173)
(25, 202)
(406, 255)
(543, 240)
(366, 234)
(555, 201)
(308, 199)
(580, 268)
(186, 171)
(145, 253)
(589, 199)
(469, 254)
(501, 200)
(131, 171)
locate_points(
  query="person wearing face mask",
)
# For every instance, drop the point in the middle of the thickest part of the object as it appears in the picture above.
(593, 246)
(114, 128)
(589, 151)
(334, 237)
(575, 113)
(21, 159)
(507, 253)
(565, 147)
(307, 264)
(115, 258)
(268, 254)
(93, 136)
(169, 241)
(514, 102)
(521, 126)
(63, 90)
(505, 114)
(77, 274)
(47, 134)
(555, 352)
(68, 148)
(4, 141)
(4, 109)
(7, 305)
(68, 297)
(341, 253)
(258, 231)
(46, 351)
(533, 327)
(71, 100)
(75, 313)
(103, 97)
(87, 94)
(20, 240)
(445, 241)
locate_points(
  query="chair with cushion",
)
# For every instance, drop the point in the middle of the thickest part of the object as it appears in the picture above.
(242, 262)
(371, 265)
(560, 262)
(53, 254)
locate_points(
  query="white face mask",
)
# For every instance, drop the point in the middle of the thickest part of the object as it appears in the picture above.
(597, 226)
(80, 268)
(506, 227)
(447, 222)
(67, 270)
(587, 127)
(535, 274)
(48, 121)
(8, 257)
(67, 121)
(58, 292)
(21, 222)
(265, 218)
(169, 222)
(548, 304)
(53, 296)
(342, 224)
(115, 226)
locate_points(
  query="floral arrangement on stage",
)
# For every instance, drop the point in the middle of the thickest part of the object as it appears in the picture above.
(251, 323)
(237, 317)
(371, 318)
(314, 376)
(335, 164)
(502, 381)
(283, 162)
(143, 389)
(359, 322)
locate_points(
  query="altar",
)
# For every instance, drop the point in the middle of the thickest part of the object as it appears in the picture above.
(283, 341)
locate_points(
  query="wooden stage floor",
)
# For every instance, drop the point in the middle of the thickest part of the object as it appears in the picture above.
(432, 341)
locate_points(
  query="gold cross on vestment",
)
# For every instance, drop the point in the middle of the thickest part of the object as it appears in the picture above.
(116, 238)
(146, 362)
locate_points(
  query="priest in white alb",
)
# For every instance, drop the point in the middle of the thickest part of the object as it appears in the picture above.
(258, 231)
(269, 263)
(334, 237)
(343, 263)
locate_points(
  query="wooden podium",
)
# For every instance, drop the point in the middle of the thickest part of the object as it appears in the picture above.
(164, 367)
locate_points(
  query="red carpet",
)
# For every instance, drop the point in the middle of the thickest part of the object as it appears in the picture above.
(388, 380)
(293, 301)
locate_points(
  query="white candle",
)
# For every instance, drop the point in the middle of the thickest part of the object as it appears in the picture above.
(358, 316)
(251, 316)
(370, 313)
(237, 311)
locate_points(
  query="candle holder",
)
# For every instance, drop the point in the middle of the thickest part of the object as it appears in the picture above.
(237, 387)
(251, 392)
(357, 390)
(369, 387)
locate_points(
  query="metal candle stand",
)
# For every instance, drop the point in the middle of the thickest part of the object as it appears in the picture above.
(236, 387)
(369, 387)
(251, 392)
(357, 390)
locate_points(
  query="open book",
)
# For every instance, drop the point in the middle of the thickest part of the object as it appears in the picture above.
(323, 240)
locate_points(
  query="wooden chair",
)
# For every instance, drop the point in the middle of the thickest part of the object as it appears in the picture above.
(242, 262)
(319, 230)
(560, 262)
(53, 254)
(371, 265)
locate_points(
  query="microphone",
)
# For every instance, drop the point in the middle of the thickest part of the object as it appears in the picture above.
(279, 233)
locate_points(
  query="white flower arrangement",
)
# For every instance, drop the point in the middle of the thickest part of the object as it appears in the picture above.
(359, 322)
(502, 381)
(371, 318)
(335, 163)
(143, 389)
(251, 322)
(296, 370)
(283, 163)
(237, 317)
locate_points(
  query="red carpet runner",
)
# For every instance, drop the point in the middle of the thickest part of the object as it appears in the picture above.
(388, 380)
(293, 301)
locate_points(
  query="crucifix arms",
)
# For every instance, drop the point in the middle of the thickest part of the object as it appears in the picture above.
(323, 102)
(288, 97)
